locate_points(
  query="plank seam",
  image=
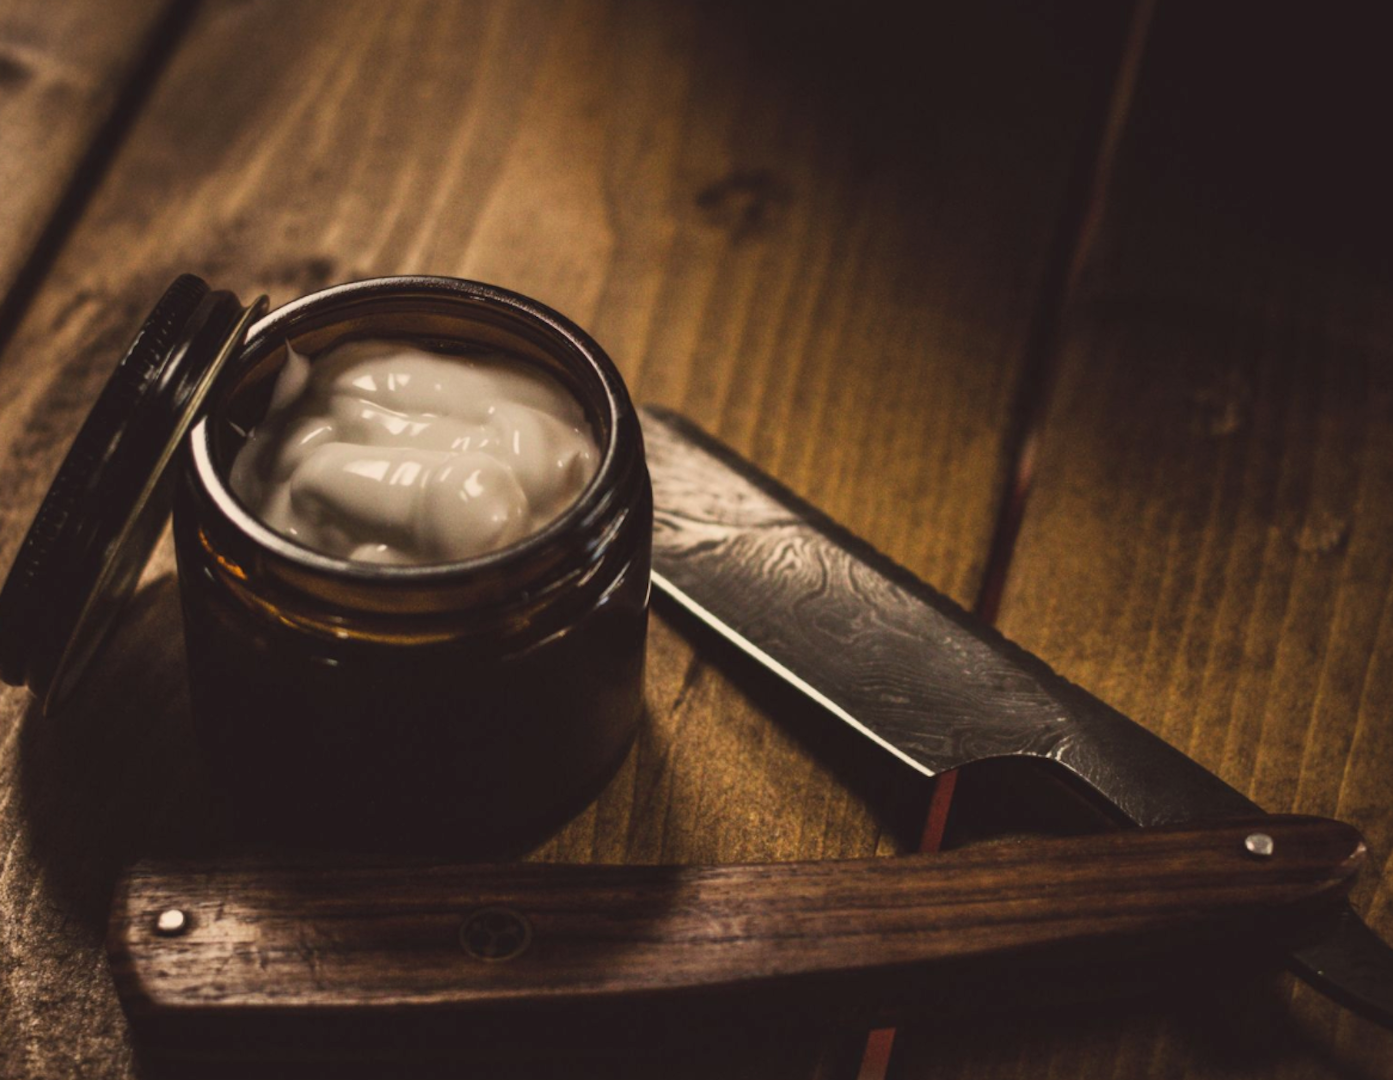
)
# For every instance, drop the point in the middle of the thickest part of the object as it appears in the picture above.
(1085, 195)
(1084, 201)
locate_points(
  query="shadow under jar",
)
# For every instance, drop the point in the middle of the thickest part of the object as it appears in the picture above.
(457, 706)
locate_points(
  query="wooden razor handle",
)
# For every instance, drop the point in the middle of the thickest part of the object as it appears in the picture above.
(205, 954)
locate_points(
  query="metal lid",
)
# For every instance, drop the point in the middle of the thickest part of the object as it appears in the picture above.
(105, 510)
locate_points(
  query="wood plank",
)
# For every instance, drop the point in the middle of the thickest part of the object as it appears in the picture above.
(1209, 540)
(64, 69)
(825, 245)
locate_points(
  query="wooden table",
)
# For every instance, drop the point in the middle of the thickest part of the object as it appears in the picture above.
(1083, 313)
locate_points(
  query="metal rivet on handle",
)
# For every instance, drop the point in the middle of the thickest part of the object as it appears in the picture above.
(495, 934)
(1259, 844)
(171, 923)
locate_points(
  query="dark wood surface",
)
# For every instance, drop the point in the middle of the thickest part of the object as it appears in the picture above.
(846, 249)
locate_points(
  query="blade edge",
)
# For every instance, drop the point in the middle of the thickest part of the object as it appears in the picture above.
(745, 645)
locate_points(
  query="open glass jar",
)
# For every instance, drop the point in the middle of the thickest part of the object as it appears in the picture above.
(461, 705)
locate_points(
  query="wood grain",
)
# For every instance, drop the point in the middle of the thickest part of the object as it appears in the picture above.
(823, 238)
(1209, 540)
(65, 70)
(479, 954)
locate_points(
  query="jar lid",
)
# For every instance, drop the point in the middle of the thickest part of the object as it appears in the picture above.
(107, 506)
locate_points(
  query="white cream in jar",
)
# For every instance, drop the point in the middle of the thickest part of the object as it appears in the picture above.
(382, 452)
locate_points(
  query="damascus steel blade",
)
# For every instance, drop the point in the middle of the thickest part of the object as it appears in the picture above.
(914, 672)
(886, 653)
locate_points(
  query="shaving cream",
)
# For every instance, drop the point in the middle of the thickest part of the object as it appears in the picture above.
(383, 452)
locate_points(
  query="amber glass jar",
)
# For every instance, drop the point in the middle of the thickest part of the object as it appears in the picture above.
(465, 705)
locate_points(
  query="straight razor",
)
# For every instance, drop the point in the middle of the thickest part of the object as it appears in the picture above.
(914, 672)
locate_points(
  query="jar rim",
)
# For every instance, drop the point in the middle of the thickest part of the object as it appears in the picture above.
(590, 509)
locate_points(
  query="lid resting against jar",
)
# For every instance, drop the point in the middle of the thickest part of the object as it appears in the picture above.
(104, 512)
